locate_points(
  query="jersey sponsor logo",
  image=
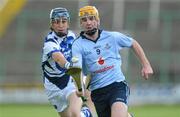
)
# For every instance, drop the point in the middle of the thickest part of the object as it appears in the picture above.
(103, 69)
(96, 47)
(101, 61)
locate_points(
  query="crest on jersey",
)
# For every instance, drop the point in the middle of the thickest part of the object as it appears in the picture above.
(107, 46)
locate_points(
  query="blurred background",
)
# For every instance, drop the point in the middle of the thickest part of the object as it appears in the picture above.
(155, 24)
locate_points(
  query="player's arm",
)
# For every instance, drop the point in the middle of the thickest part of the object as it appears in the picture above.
(60, 59)
(146, 67)
(51, 49)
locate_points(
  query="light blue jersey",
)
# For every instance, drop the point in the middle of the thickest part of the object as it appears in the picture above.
(101, 58)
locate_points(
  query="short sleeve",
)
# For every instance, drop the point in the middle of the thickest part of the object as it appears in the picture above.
(123, 40)
(50, 47)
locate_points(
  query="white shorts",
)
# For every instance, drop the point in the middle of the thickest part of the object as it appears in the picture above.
(59, 98)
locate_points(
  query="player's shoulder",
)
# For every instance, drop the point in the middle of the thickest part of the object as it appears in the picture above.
(79, 38)
(116, 34)
(105, 32)
(50, 37)
(71, 33)
(71, 36)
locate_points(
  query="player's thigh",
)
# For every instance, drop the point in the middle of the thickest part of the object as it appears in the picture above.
(89, 103)
(119, 109)
(73, 110)
(119, 92)
(102, 109)
(100, 98)
(59, 98)
(75, 103)
(119, 99)
(65, 113)
(60, 103)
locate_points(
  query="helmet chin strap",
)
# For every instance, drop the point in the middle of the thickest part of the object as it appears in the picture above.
(91, 32)
(60, 34)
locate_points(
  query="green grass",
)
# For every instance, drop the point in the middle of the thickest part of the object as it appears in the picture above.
(156, 111)
(30, 110)
(27, 110)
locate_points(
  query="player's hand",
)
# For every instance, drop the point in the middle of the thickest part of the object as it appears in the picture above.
(83, 97)
(146, 71)
(68, 64)
(74, 59)
(79, 93)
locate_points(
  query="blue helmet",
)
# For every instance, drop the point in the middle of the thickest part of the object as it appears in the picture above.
(59, 12)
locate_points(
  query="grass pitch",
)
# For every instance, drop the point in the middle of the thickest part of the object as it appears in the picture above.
(34, 110)
(156, 111)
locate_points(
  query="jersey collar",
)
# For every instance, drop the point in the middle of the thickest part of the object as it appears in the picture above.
(84, 37)
(59, 38)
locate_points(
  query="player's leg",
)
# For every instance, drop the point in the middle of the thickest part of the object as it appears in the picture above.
(74, 107)
(119, 109)
(61, 99)
(90, 104)
(75, 104)
(120, 92)
(65, 113)
(100, 99)
(120, 113)
(60, 103)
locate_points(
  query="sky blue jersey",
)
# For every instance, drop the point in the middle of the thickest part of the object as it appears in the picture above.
(101, 58)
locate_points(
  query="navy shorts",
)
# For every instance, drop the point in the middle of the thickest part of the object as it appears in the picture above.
(103, 98)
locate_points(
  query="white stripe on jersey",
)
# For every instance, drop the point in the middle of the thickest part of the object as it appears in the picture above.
(53, 43)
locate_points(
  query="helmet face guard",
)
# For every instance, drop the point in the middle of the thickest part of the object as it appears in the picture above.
(58, 13)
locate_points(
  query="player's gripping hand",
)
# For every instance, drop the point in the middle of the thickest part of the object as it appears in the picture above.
(68, 65)
(79, 93)
(75, 72)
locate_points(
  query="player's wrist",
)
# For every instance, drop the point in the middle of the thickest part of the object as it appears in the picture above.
(67, 65)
